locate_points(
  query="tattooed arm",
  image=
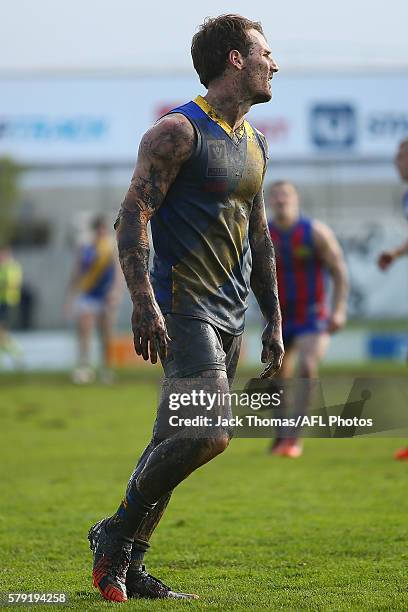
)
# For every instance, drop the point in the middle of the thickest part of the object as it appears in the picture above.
(163, 150)
(264, 286)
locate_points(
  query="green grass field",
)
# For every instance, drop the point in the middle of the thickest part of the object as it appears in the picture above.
(326, 532)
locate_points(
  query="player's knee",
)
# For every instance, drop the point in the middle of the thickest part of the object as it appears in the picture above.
(221, 441)
(217, 443)
(308, 368)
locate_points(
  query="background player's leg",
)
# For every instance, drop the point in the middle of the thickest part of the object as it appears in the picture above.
(4, 340)
(311, 348)
(289, 362)
(4, 333)
(105, 328)
(285, 373)
(84, 328)
(8, 345)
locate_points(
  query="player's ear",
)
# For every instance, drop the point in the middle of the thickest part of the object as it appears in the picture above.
(235, 59)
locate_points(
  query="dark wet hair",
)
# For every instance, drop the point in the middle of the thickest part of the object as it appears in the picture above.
(216, 37)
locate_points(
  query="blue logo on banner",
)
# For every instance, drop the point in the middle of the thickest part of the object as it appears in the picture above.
(44, 129)
(333, 126)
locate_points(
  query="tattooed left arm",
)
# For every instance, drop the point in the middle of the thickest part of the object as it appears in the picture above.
(264, 286)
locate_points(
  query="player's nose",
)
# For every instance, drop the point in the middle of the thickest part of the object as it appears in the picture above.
(274, 66)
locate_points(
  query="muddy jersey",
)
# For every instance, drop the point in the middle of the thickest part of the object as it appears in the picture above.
(202, 261)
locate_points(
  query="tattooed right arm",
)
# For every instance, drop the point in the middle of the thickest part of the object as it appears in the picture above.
(163, 150)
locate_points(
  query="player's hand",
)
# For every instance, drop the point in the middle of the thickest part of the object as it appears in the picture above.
(149, 329)
(336, 322)
(386, 259)
(273, 351)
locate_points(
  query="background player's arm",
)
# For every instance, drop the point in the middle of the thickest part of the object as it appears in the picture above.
(388, 257)
(163, 150)
(331, 254)
(264, 285)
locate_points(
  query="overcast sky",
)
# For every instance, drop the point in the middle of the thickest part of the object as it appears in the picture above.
(153, 35)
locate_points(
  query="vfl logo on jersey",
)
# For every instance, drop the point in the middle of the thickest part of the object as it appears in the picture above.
(303, 251)
(217, 158)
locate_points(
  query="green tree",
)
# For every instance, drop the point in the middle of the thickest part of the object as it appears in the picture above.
(9, 197)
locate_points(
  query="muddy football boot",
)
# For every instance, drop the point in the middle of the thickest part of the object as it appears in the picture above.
(111, 559)
(141, 584)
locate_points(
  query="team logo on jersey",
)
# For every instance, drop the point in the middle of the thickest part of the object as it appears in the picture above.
(303, 251)
(217, 158)
(333, 126)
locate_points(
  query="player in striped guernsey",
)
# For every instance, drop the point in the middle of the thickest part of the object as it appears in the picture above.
(307, 252)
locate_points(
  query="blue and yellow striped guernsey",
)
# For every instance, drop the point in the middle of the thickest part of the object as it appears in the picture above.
(202, 261)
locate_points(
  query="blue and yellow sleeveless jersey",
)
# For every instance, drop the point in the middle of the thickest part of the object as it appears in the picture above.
(202, 261)
(97, 269)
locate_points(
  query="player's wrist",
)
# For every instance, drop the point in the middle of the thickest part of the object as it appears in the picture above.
(140, 288)
(338, 317)
(142, 298)
(272, 314)
(274, 321)
(340, 309)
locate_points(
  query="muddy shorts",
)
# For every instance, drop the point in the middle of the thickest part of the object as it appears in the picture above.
(197, 345)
